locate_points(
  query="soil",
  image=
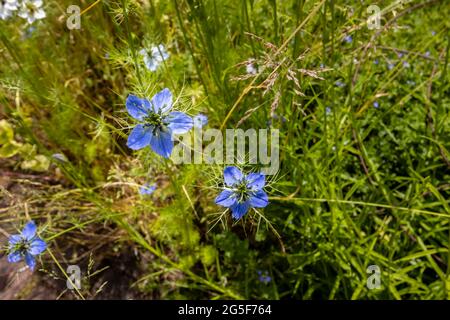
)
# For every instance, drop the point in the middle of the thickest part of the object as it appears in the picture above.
(121, 267)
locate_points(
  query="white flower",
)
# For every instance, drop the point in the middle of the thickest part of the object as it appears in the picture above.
(32, 10)
(154, 57)
(11, 5)
(4, 13)
(7, 7)
(250, 67)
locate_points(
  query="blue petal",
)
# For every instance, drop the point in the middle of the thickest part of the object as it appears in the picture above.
(136, 107)
(29, 231)
(160, 53)
(147, 189)
(226, 198)
(14, 239)
(179, 122)
(140, 137)
(162, 143)
(240, 209)
(30, 261)
(259, 199)
(162, 101)
(149, 62)
(37, 246)
(200, 120)
(14, 257)
(232, 176)
(256, 181)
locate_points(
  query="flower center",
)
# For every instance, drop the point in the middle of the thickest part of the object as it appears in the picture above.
(156, 120)
(31, 7)
(22, 246)
(242, 192)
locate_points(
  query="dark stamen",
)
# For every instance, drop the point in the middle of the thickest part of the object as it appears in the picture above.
(156, 120)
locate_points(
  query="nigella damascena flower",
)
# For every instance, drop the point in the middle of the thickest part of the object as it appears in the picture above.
(26, 245)
(200, 120)
(147, 189)
(154, 57)
(242, 192)
(339, 84)
(61, 158)
(157, 123)
(264, 277)
(7, 7)
(32, 10)
(348, 39)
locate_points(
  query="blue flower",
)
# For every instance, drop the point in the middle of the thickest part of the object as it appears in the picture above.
(157, 124)
(327, 110)
(59, 157)
(348, 39)
(200, 120)
(28, 33)
(147, 189)
(339, 84)
(26, 245)
(376, 104)
(242, 192)
(154, 57)
(264, 277)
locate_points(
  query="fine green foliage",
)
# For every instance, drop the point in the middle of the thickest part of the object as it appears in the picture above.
(364, 122)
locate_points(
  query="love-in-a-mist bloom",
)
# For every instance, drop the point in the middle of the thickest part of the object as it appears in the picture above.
(154, 57)
(348, 39)
(242, 192)
(264, 277)
(200, 120)
(157, 123)
(7, 7)
(26, 245)
(32, 10)
(147, 189)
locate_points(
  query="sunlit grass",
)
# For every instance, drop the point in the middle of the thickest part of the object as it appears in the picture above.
(359, 183)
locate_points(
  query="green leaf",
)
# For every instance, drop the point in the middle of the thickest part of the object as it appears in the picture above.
(208, 255)
(9, 149)
(6, 132)
(40, 163)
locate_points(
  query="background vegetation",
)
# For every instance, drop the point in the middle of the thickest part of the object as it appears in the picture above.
(364, 133)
